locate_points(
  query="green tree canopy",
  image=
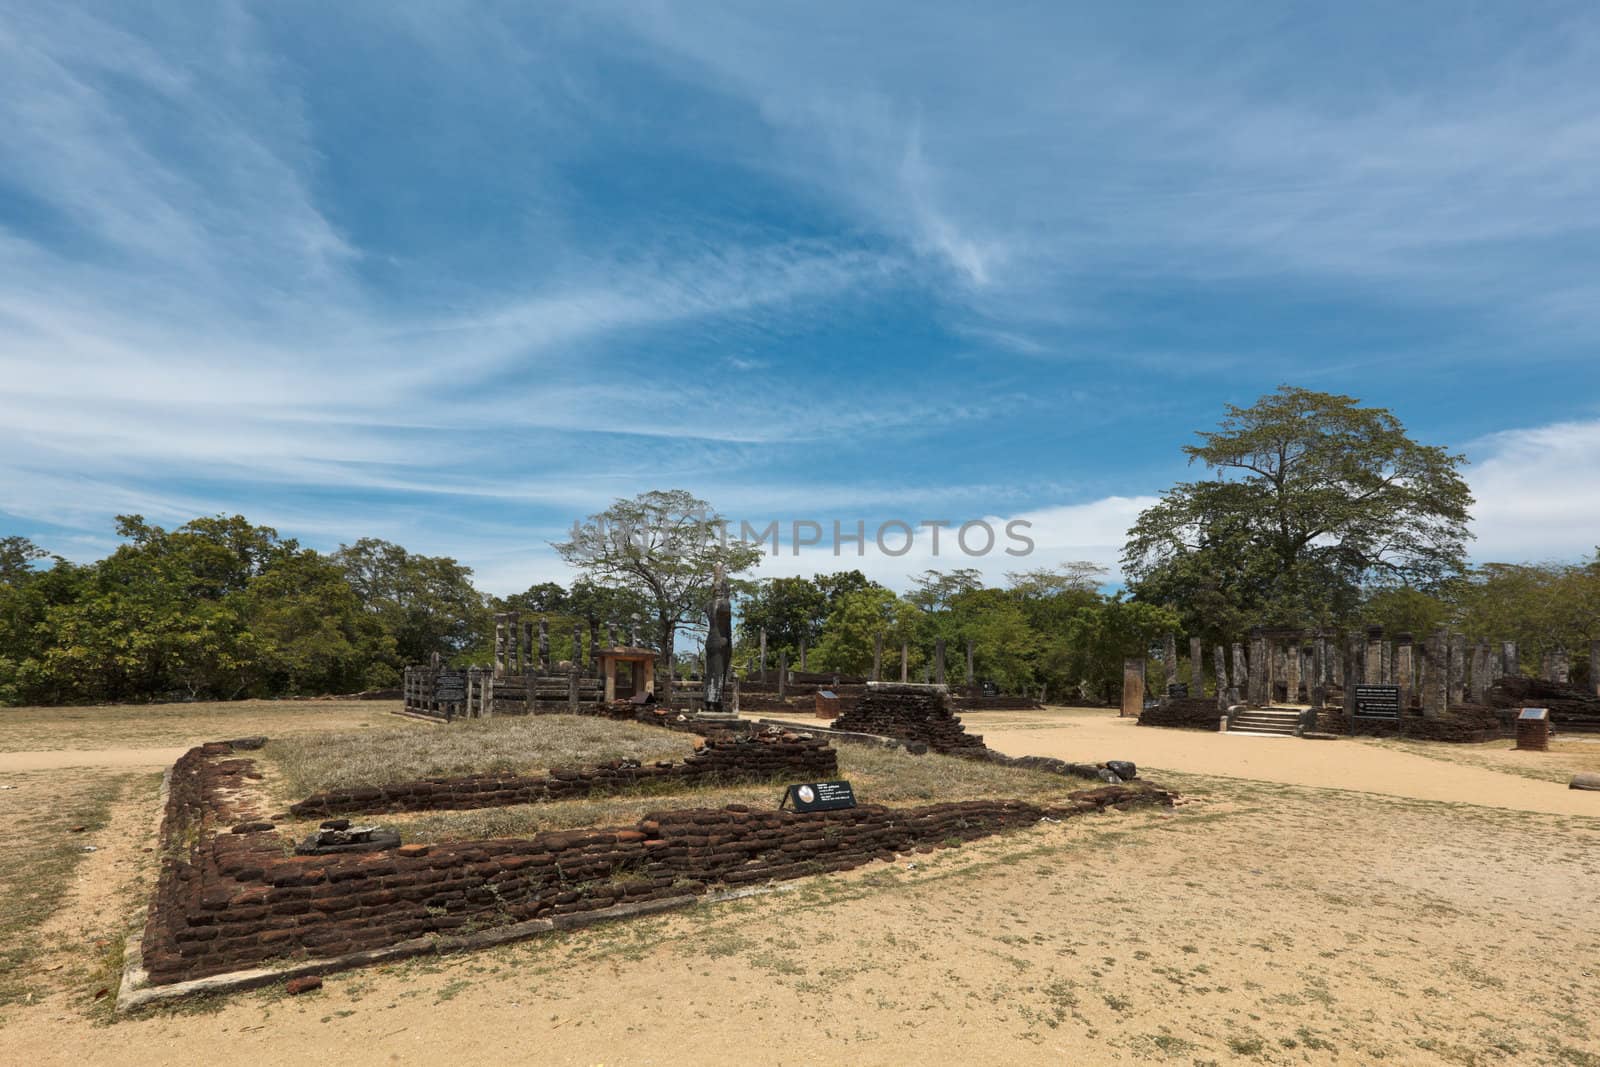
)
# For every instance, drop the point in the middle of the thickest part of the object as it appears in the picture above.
(662, 546)
(1311, 496)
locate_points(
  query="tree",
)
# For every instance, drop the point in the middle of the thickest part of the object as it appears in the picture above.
(425, 604)
(664, 547)
(1099, 638)
(1312, 496)
(859, 616)
(934, 590)
(792, 610)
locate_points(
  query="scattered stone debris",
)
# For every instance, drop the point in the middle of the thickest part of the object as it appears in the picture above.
(295, 986)
(349, 838)
(256, 827)
(1585, 781)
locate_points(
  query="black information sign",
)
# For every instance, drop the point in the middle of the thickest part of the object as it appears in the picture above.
(1178, 689)
(1377, 701)
(450, 687)
(819, 796)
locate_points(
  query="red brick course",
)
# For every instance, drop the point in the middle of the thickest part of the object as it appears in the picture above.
(229, 901)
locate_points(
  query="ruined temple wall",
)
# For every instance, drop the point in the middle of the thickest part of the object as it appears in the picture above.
(239, 900)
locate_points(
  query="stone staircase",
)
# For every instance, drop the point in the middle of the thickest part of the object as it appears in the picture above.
(1265, 722)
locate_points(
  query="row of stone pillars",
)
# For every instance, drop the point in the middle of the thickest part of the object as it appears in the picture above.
(516, 646)
(1300, 667)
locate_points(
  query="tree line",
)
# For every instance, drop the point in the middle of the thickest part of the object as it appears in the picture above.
(1314, 512)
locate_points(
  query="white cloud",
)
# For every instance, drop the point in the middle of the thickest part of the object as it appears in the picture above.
(1538, 493)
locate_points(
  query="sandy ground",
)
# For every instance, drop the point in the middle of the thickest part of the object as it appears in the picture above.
(1076, 734)
(1261, 921)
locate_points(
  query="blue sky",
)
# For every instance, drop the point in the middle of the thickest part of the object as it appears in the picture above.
(457, 274)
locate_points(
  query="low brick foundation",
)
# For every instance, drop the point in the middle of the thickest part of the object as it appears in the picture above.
(1462, 724)
(227, 901)
(754, 759)
(1184, 713)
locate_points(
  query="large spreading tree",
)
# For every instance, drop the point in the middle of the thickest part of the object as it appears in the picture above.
(1311, 497)
(663, 546)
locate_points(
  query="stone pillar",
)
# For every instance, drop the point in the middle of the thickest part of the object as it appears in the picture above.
(970, 678)
(1278, 664)
(938, 660)
(1240, 681)
(763, 655)
(1510, 662)
(1317, 689)
(1458, 669)
(1291, 672)
(1132, 687)
(544, 646)
(572, 688)
(1435, 674)
(802, 652)
(877, 657)
(633, 634)
(1372, 670)
(1258, 669)
(1169, 658)
(594, 649)
(1355, 654)
(905, 661)
(1308, 676)
(1561, 667)
(577, 646)
(1219, 663)
(783, 671)
(1386, 662)
(1478, 685)
(1594, 667)
(499, 646)
(1403, 670)
(1197, 668)
(1336, 664)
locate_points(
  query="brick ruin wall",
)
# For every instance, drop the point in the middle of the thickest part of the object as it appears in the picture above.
(1183, 713)
(1461, 724)
(911, 713)
(725, 760)
(232, 900)
(1571, 708)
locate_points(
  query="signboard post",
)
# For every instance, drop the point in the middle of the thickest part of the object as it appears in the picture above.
(1377, 701)
(818, 796)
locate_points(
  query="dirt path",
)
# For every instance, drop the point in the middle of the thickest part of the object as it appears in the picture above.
(18, 762)
(1095, 735)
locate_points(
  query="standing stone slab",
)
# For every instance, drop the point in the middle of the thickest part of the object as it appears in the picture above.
(1241, 674)
(1291, 677)
(1372, 671)
(1436, 674)
(1197, 669)
(1132, 687)
(1403, 669)
(1561, 667)
(1169, 658)
(1478, 684)
(1458, 669)
(1510, 661)
(938, 661)
(1219, 663)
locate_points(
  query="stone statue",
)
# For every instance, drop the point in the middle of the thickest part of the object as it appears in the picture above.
(719, 642)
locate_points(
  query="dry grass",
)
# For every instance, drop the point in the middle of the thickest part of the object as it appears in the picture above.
(524, 745)
(879, 776)
(34, 729)
(50, 818)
